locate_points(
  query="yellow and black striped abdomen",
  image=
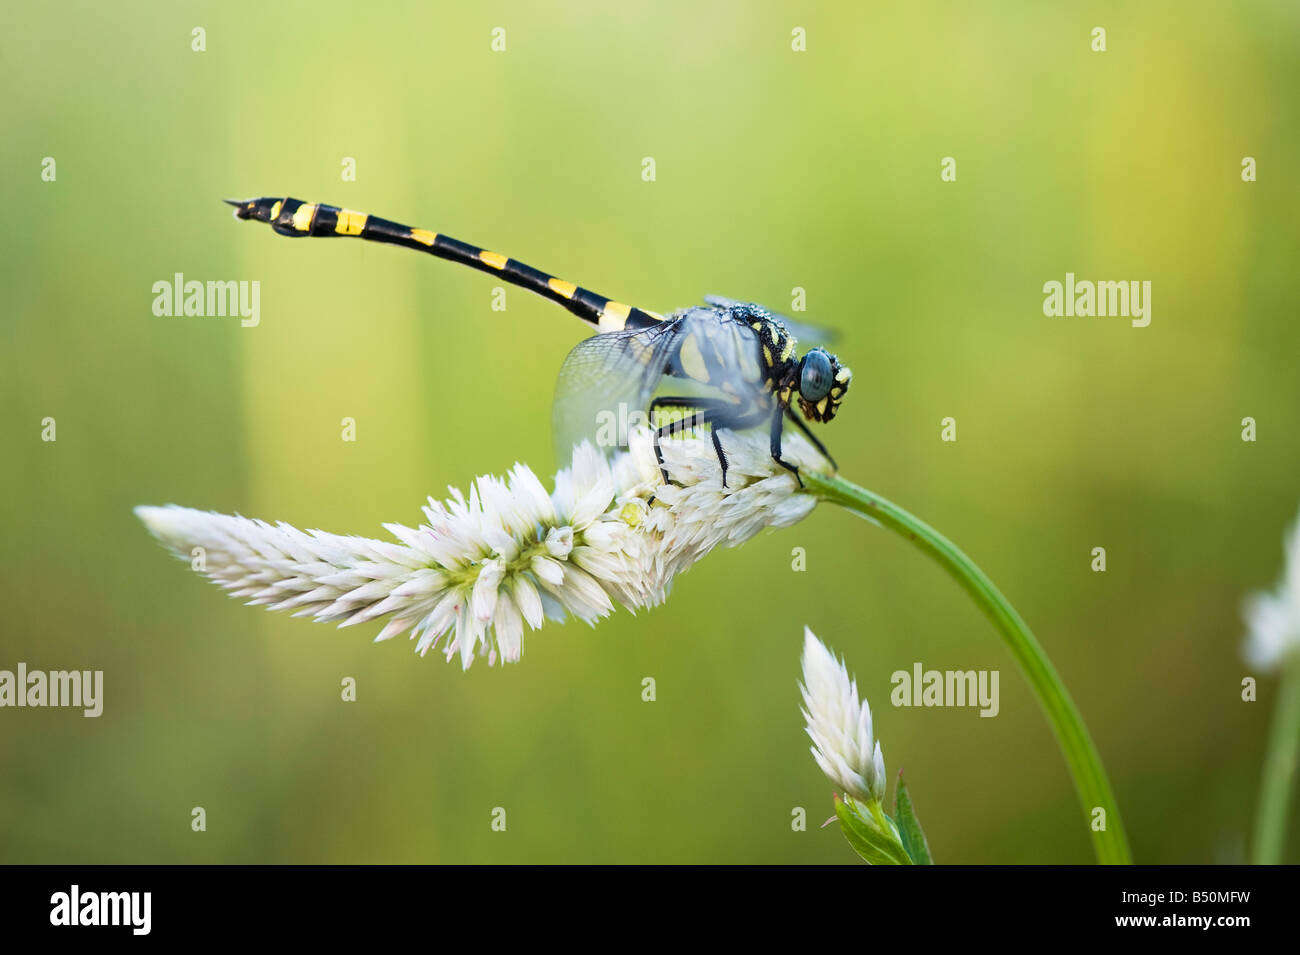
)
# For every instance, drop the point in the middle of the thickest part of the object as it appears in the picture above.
(298, 219)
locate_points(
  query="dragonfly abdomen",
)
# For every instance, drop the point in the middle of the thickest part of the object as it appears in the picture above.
(298, 219)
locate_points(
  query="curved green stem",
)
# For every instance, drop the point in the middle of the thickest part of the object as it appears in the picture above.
(1279, 769)
(1110, 844)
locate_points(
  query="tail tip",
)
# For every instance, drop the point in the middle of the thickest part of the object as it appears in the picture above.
(244, 208)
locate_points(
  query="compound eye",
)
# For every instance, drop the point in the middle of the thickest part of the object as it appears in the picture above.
(817, 376)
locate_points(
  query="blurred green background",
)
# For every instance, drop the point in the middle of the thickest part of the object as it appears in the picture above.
(775, 169)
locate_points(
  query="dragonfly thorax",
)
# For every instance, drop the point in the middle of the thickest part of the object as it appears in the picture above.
(817, 380)
(777, 347)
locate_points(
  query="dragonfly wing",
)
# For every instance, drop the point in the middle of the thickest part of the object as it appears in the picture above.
(802, 331)
(721, 301)
(606, 383)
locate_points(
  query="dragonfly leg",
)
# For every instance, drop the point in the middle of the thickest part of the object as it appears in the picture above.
(681, 424)
(722, 457)
(776, 447)
(811, 437)
(712, 412)
(659, 455)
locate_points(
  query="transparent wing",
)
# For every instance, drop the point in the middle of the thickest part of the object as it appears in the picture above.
(607, 380)
(802, 331)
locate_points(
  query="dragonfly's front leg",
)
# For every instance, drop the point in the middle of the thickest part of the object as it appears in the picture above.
(777, 417)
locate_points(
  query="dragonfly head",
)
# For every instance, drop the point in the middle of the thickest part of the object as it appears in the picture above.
(822, 384)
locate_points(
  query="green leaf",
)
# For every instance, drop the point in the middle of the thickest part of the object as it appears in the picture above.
(870, 833)
(909, 828)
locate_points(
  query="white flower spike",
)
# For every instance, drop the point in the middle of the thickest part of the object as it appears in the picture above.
(840, 725)
(485, 567)
(1273, 619)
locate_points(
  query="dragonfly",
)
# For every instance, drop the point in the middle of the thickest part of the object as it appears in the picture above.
(725, 365)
